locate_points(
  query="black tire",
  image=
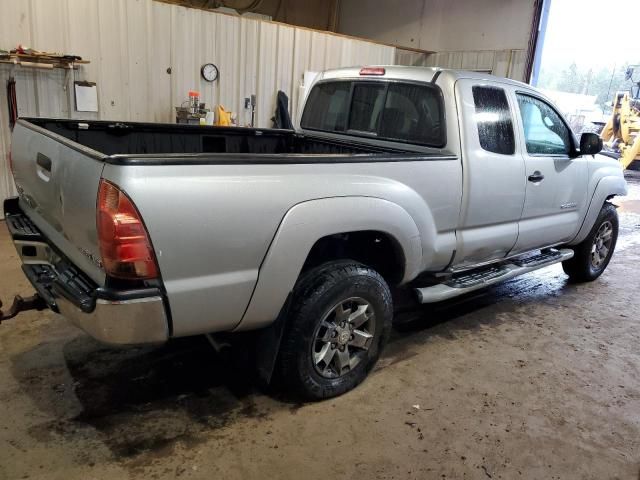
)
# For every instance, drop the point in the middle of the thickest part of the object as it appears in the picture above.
(582, 267)
(315, 298)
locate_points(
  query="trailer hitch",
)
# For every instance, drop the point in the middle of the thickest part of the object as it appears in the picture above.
(34, 302)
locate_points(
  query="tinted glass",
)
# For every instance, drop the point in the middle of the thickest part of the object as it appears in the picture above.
(327, 107)
(394, 111)
(495, 127)
(366, 107)
(412, 113)
(544, 131)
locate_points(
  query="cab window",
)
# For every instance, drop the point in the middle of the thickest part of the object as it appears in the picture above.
(366, 106)
(493, 117)
(544, 131)
(395, 111)
(328, 112)
(412, 113)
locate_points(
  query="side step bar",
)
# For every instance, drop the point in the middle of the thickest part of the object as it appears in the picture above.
(477, 279)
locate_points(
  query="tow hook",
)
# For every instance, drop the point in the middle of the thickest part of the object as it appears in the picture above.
(34, 302)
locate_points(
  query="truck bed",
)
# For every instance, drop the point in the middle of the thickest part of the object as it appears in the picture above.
(213, 201)
(109, 138)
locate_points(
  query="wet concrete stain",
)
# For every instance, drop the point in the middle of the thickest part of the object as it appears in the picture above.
(144, 400)
(140, 400)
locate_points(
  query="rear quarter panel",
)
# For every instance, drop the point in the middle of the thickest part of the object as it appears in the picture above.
(211, 225)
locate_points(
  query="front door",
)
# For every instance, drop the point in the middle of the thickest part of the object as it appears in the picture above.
(556, 184)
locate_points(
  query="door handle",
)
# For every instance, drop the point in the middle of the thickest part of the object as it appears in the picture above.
(536, 177)
(44, 162)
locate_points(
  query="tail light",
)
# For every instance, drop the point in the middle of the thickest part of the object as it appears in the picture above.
(124, 243)
(372, 71)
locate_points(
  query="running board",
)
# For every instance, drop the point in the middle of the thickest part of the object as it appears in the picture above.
(477, 279)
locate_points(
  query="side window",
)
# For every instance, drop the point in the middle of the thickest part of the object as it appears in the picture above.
(495, 127)
(327, 107)
(544, 131)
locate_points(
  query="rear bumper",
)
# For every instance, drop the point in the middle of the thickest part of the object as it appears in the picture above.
(118, 317)
(141, 320)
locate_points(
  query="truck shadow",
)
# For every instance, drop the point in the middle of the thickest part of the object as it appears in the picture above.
(145, 400)
(139, 399)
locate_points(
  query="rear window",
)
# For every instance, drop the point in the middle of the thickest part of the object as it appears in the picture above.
(329, 113)
(402, 112)
(366, 108)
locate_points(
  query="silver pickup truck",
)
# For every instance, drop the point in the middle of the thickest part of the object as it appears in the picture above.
(438, 182)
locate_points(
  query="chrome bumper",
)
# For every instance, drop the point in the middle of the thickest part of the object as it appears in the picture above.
(141, 320)
(116, 317)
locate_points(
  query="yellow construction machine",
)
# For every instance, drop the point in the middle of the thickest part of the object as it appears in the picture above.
(621, 133)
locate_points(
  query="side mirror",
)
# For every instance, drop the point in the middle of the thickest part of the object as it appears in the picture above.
(590, 144)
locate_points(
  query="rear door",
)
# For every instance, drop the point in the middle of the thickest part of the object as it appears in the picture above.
(493, 189)
(556, 184)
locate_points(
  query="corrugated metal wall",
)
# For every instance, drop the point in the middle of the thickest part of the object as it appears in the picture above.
(503, 63)
(131, 43)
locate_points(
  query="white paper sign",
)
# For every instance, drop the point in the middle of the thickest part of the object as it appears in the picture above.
(86, 97)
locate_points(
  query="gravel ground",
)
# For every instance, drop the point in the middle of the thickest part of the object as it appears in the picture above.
(536, 378)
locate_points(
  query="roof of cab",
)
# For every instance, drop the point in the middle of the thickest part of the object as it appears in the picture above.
(421, 74)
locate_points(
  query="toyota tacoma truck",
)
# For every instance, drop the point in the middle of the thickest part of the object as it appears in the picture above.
(436, 182)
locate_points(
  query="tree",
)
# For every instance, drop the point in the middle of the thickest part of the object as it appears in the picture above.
(603, 83)
(571, 80)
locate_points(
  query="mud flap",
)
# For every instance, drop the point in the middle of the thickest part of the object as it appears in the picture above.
(267, 343)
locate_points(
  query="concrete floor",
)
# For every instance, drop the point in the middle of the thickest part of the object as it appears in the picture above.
(536, 378)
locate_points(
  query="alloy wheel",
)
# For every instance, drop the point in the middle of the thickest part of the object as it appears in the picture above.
(343, 337)
(601, 245)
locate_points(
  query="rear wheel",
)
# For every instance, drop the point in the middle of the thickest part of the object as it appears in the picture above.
(593, 254)
(339, 320)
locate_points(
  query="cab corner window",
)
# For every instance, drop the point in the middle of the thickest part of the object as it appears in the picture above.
(544, 131)
(492, 114)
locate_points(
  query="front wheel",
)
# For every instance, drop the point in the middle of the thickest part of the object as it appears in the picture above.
(338, 321)
(593, 254)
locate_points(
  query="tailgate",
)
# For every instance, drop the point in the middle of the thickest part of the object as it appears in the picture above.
(57, 181)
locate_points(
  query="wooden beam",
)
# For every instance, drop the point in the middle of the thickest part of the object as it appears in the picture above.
(341, 35)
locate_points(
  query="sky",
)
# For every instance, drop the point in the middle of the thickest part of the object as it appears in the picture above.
(594, 33)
